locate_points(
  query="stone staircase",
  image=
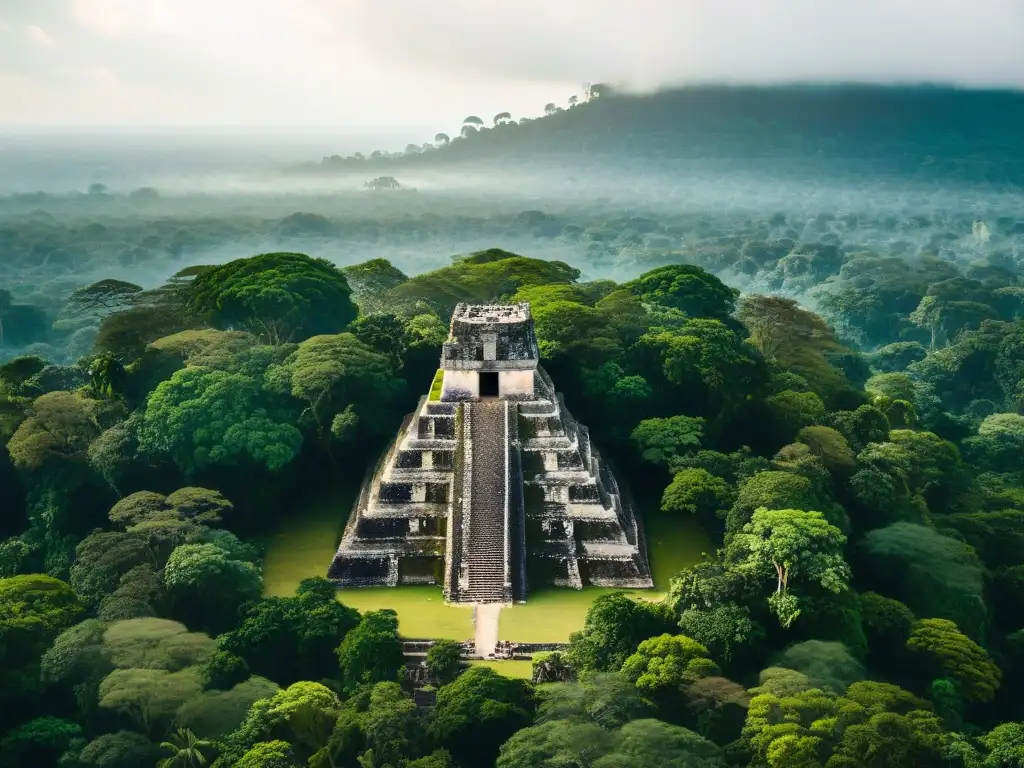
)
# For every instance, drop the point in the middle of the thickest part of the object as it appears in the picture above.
(485, 564)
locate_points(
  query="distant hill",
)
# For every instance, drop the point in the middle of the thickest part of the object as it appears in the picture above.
(933, 132)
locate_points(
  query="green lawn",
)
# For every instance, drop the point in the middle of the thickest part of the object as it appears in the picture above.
(674, 542)
(550, 615)
(516, 668)
(303, 545)
(304, 541)
(307, 537)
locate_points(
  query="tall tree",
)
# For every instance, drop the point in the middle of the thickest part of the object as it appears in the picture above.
(58, 427)
(204, 417)
(791, 545)
(208, 586)
(332, 373)
(478, 712)
(371, 652)
(281, 297)
(689, 288)
(945, 651)
(614, 627)
(293, 638)
(34, 610)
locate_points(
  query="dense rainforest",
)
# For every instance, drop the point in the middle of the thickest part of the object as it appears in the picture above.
(928, 133)
(830, 386)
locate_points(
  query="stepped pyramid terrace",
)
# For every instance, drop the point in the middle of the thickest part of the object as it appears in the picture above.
(491, 486)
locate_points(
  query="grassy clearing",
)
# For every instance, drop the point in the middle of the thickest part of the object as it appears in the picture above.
(511, 668)
(674, 542)
(422, 611)
(550, 615)
(303, 545)
(305, 541)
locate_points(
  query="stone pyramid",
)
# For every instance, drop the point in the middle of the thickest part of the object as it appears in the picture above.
(491, 486)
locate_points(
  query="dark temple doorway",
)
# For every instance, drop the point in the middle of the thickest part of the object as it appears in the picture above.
(488, 384)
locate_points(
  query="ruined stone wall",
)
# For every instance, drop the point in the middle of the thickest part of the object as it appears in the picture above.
(512, 383)
(460, 385)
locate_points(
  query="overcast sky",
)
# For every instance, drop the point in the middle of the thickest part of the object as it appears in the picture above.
(431, 62)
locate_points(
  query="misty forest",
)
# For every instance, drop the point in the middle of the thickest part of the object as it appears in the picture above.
(791, 317)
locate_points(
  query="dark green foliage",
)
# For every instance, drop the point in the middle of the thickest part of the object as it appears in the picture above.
(370, 280)
(16, 371)
(288, 639)
(124, 335)
(38, 742)
(608, 700)
(664, 441)
(444, 660)
(177, 422)
(281, 297)
(892, 740)
(771, 490)
(640, 742)
(865, 425)
(392, 727)
(685, 287)
(998, 537)
(303, 716)
(698, 492)
(829, 666)
(615, 626)
(34, 609)
(834, 617)
(371, 652)
(478, 712)
(101, 559)
(207, 586)
(383, 333)
(725, 629)
(124, 749)
(887, 625)
(999, 443)
(789, 412)
(224, 670)
(934, 575)
(339, 375)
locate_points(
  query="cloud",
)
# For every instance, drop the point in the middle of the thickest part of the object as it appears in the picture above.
(657, 42)
(38, 36)
(430, 62)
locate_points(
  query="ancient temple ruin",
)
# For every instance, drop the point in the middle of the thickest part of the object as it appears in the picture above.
(491, 485)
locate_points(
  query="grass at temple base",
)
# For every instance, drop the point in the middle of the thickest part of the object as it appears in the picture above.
(303, 545)
(514, 668)
(550, 614)
(305, 541)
